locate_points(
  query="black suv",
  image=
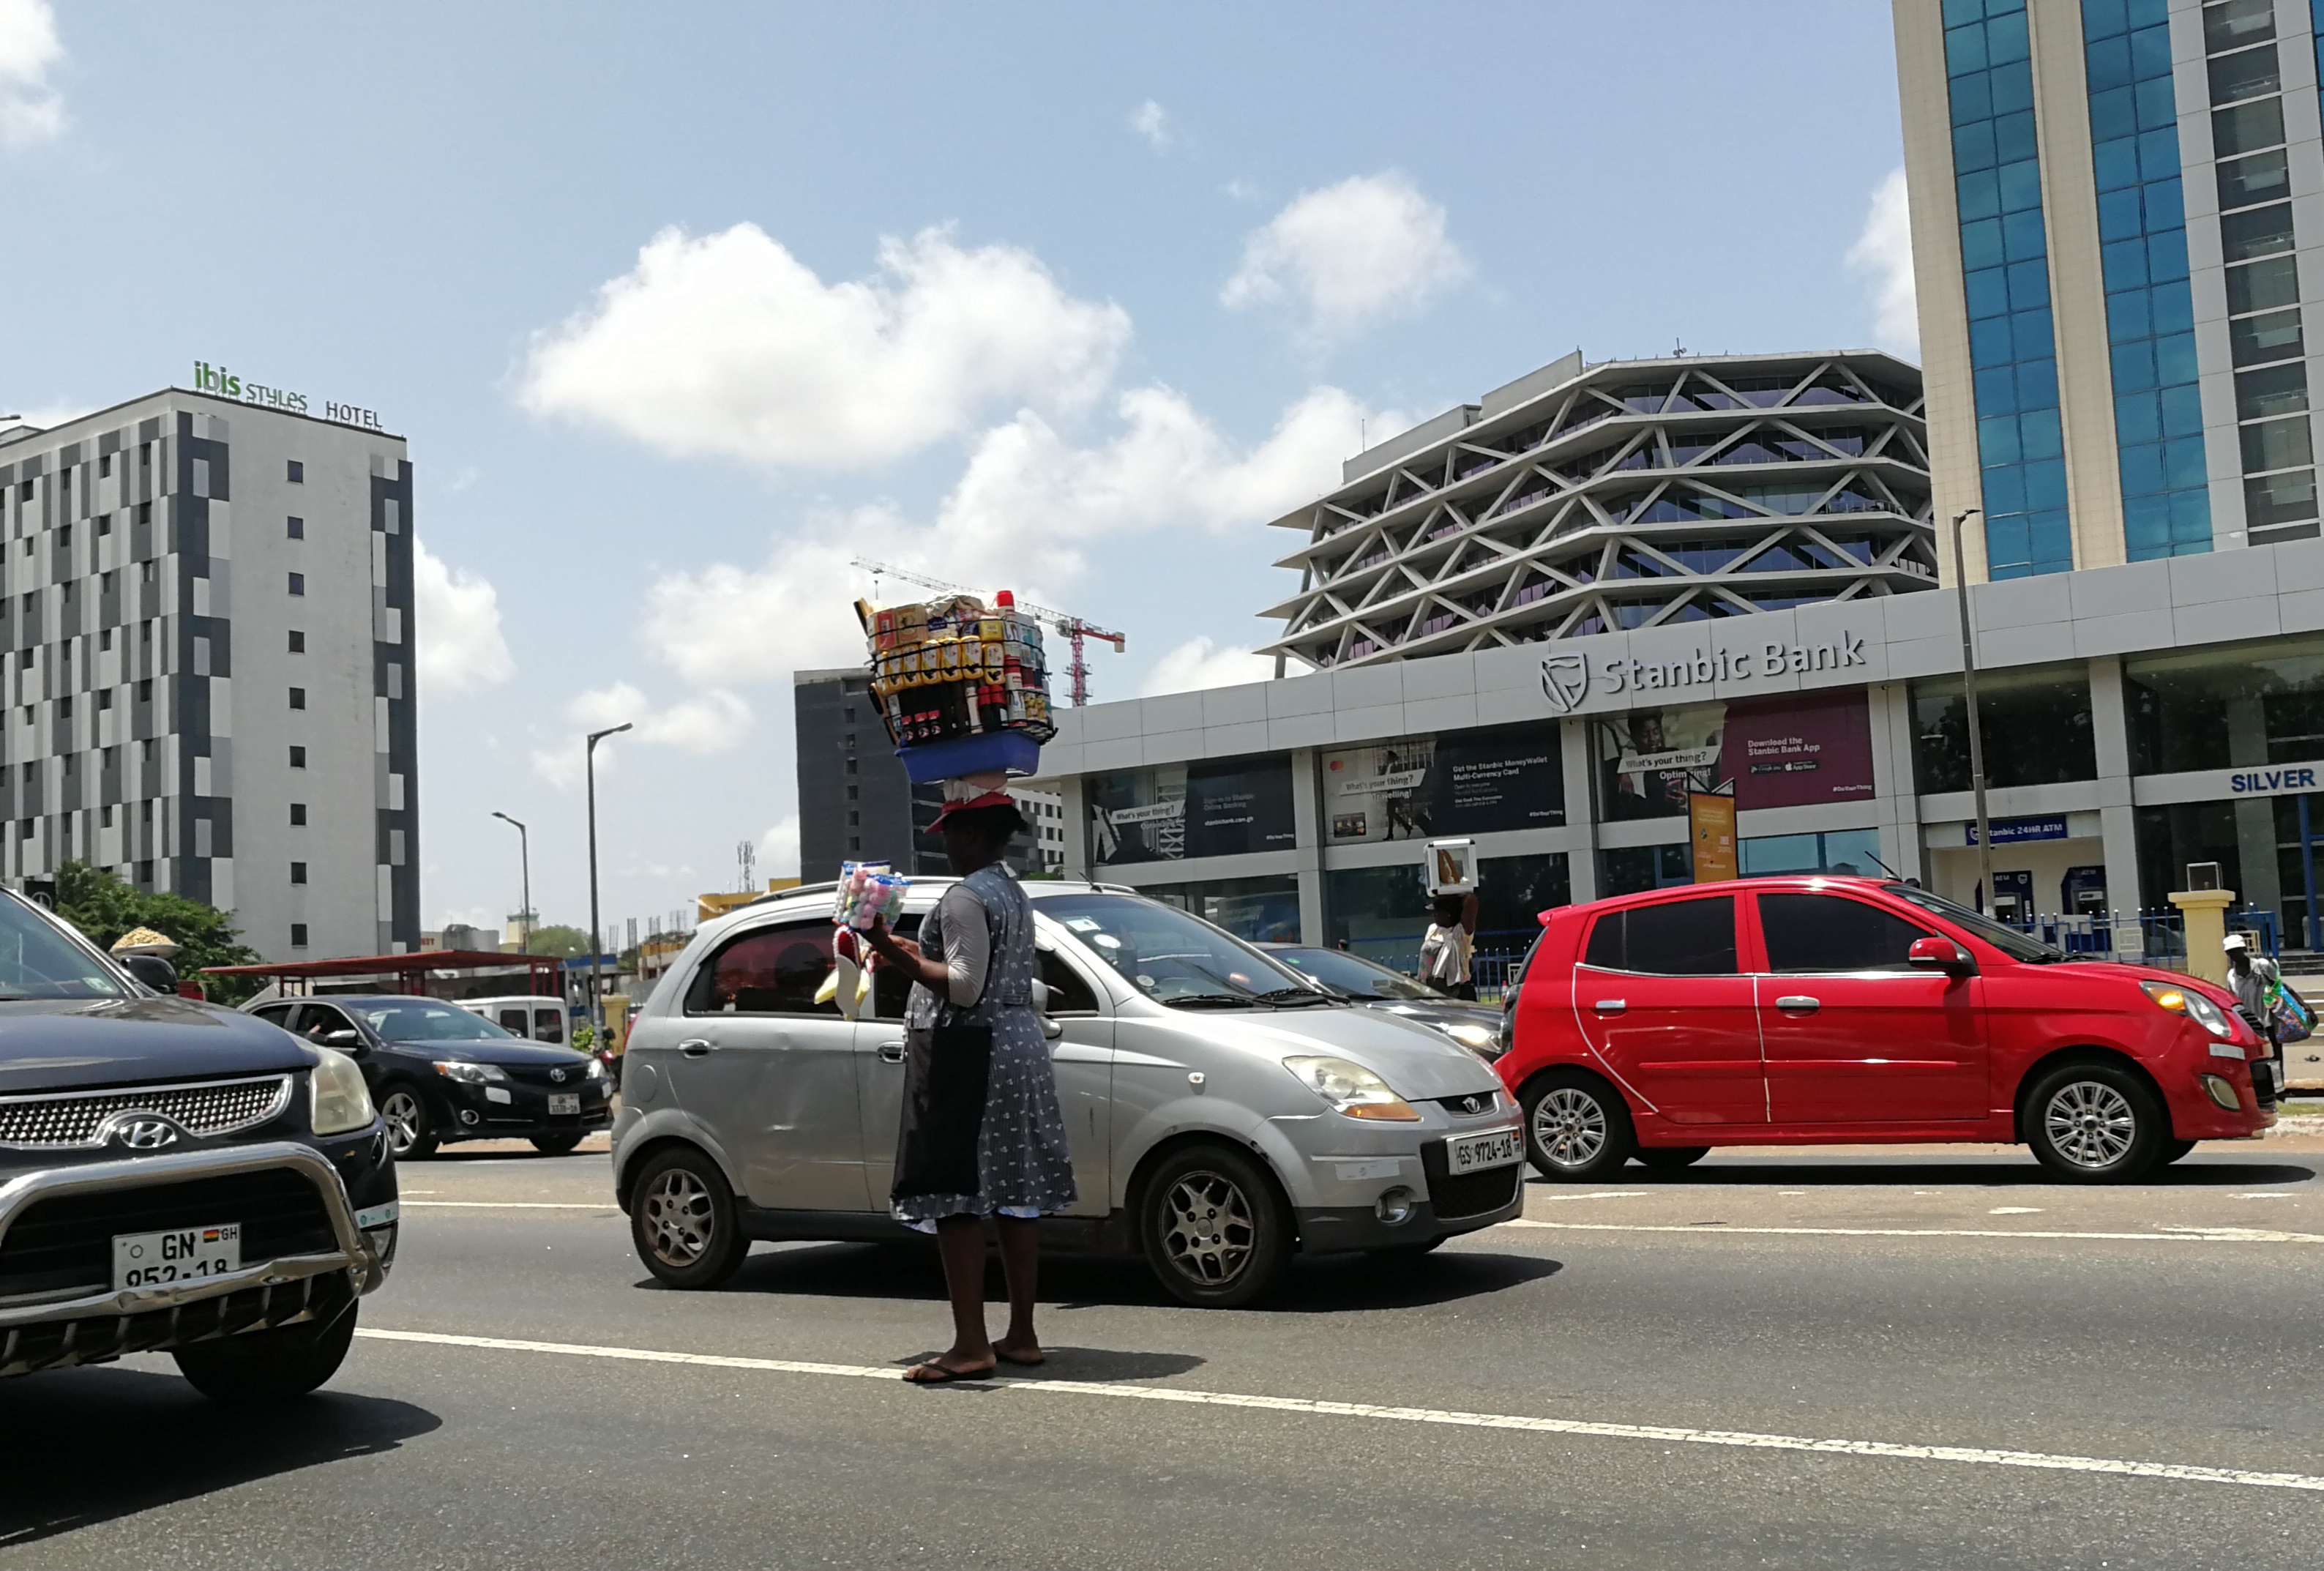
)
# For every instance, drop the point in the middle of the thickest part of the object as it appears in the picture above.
(175, 1177)
(440, 1073)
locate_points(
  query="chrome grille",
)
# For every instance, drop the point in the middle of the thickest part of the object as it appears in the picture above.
(73, 1118)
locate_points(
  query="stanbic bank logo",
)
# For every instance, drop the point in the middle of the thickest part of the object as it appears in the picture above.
(217, 379)
(1564, 681)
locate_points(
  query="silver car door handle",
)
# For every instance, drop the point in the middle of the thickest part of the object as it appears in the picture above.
(891, 1052)
(694, 1047)
(1799, 1004)
(1612, 1005)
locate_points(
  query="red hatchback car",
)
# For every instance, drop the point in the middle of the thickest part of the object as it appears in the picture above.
(1817, 1010)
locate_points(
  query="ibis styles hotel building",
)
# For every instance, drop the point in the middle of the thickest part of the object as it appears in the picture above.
(206, 624)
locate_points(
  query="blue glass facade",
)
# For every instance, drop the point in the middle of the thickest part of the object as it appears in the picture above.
(2166, 502)
(2004, 260)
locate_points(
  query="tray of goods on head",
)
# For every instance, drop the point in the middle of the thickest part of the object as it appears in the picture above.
(962, 690)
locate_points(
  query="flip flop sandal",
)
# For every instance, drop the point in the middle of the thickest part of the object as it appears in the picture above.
(940, 1375)
(1021, 1362)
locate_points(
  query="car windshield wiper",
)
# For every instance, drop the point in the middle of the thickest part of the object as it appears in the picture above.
(1210, 1001)
(1288, 997)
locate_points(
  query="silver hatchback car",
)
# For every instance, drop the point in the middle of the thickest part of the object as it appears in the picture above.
(1224, 1113)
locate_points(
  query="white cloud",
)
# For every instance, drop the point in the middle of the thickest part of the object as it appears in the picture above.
(1369, 247)
(711, 721)
(1152, 122)
(1200, 663)
(1883, 253)
(458, 636)
(778, 848)
(31, 111)
(1165, 468)
(728, 346)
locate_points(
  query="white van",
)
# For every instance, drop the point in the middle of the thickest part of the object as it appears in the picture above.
(528, 1015)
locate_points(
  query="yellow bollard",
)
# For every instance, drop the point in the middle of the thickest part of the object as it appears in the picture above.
(2206, 911)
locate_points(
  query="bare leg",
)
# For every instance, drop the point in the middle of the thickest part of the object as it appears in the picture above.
(1021, 1260)
(960, 1241)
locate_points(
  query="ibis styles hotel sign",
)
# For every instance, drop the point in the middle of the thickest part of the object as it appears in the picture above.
(226, 384)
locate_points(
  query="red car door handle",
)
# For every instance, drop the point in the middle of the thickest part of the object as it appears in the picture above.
(1799, 1004)
(1612, 1005)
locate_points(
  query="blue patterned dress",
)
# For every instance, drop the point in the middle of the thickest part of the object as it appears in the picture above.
(1025, 1167)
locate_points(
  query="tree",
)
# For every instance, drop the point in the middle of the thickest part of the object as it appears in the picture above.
(563, 942)
(103, 905)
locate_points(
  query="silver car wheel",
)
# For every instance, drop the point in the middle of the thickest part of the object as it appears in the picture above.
(679, 1218)
(1569, 1127)
(2091, 1123)
(1207, 1230)
(401, 1112)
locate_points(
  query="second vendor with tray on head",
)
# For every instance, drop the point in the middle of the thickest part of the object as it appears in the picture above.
(982, 1135)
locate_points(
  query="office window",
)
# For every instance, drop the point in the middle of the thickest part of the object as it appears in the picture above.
(2034, 723)
(297, 935)
(2143, 258)
(145, 690)
(2249, 705)
(103, 466)
(298, 473)
(298, 757)
(297, 528)
(297, 582)
(104, 523)
(2005, 255)
(298, 872)
(297, 697)
(297, 641)
(298, 813)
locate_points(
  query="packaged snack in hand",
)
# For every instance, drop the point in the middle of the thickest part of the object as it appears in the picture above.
(867, 890)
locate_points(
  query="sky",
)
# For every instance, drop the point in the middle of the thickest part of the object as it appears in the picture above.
(684, 308)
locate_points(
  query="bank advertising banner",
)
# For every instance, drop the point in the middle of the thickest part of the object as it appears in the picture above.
(1175, 811)
(1463, 782)
(1710, 823)
(1794, 751)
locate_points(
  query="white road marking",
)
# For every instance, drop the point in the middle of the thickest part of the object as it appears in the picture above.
(2013, 1211)
(1603, 1194)
(2265, 1195)
(2169, 1232)
(516, 1204)
(2041, 1460)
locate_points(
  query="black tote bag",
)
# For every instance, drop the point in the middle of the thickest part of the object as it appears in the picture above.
(945, 1080)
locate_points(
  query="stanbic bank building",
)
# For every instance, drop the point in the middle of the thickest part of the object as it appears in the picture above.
(2136, 719)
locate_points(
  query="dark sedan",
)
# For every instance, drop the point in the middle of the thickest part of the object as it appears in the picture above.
(441, 1074)
(1475, 1026)
(175, 1176)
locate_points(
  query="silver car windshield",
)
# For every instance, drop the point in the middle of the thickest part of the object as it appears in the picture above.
(1173, 957)
(1355, 976)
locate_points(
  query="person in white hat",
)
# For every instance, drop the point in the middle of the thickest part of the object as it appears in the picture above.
(2252, 977)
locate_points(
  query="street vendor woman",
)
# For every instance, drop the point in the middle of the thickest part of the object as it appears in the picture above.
(981, 1133)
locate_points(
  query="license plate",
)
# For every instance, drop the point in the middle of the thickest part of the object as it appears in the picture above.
(183, 1254)
(1475, 1152)
(563, 1101)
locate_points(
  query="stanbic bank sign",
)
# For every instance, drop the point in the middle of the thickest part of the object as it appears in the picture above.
(1566, 678)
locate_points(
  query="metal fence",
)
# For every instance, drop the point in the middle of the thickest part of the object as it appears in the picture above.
(2152, 936)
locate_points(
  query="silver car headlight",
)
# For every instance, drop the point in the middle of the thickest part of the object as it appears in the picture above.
(336, 1100)
(1352, 1089)
(1479, 1039)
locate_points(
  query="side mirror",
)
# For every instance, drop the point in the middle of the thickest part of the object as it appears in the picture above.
(347, 1039)
(1052, 1030)
(1935, 954)
(151, 971)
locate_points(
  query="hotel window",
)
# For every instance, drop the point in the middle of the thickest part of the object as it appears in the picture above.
(297, 935)
(297, 528)
(297, 697)
(297, 758)
(298, 813)
(298, 872)
(297, 641)
(298, 473)
(297, 582)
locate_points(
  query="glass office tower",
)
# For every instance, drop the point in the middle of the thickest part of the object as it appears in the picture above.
(2110, 201)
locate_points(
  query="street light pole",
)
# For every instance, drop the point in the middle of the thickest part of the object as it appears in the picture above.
(524, 861)
(1988, 901)
(596, 945)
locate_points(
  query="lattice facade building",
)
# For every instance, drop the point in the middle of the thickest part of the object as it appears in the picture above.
(1629, 494)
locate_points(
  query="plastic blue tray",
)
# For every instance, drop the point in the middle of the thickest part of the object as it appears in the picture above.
(928, 762)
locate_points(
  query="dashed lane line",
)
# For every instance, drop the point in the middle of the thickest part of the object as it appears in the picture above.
(2165, 1232)
(2184, 1473)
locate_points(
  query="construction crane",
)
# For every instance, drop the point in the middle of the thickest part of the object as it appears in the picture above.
(1074, 629)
